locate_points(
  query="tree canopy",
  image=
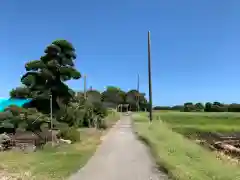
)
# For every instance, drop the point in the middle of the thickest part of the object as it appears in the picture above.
(113, 96)
(47, 75)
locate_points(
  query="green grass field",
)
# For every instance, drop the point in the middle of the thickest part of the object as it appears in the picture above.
(201, 122)
(180, 157)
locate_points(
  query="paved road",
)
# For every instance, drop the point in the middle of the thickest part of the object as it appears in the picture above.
(120, 157)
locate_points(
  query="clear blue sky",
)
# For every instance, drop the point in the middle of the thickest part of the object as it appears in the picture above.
(195, 44)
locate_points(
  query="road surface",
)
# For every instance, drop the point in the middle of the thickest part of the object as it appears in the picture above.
(120, 157)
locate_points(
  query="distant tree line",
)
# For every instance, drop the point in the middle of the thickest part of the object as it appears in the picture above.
(113, 96)
(200, 107)
(177, 107)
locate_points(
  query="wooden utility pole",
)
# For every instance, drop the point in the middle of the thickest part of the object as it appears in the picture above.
(51, 118)
(138, 96)
(149, 77)
(85, 87)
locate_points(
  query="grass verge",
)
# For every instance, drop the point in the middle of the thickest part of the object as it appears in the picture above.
(112, 118)
(53, 163)
(181, 158)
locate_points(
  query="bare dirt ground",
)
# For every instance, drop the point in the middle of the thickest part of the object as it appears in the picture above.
(120, 157)
(228, 143)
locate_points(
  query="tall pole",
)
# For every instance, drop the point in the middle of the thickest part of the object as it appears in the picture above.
(138, 96)
(149, 77)
(51, 119)
(85, 87)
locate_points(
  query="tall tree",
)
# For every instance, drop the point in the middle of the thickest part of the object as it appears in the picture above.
(208, 107)
(132, 99)
(113, 96)
(199, 106)
(20, 93)
(94, 96)
(46, 76)
(188, 107)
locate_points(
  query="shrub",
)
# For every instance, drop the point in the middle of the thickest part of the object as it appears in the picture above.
(66, 114)
(15, 110)
(99, 122)
(103, 124)
(69, 134)
(58, 125)
(234, 107)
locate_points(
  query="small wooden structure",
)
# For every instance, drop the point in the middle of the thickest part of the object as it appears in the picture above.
(25, 138)
(123, 107)
(36, 138)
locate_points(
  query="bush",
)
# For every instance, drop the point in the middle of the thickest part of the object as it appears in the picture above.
(234, 107)
(58, 125)
(162, 108)
(15, 110)
(112, 117)
(66, 114)
(69, 134)
(102, 124)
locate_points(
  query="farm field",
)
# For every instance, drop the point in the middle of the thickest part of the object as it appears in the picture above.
(176, 139)
(204, 122)
(217, 131)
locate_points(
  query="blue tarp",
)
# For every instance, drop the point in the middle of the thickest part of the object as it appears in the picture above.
(4, 103)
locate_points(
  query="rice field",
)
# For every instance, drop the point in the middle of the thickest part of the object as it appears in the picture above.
(187, 122)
